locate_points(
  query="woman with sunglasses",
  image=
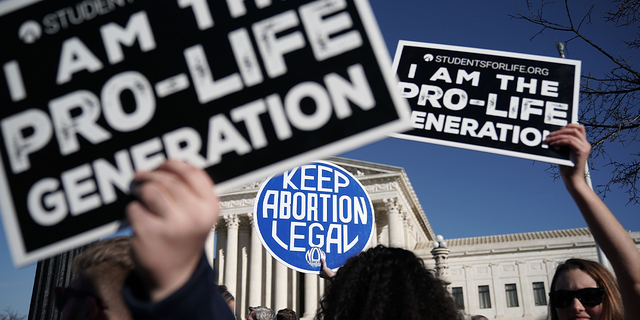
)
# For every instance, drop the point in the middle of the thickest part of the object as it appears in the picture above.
(583, 289)
(607, 231)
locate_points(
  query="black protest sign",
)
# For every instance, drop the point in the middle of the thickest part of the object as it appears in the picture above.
(485, 100)
(93, 90)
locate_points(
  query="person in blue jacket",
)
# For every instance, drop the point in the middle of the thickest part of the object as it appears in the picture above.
(176, 207)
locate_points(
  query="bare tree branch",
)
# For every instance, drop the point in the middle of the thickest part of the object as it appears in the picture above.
(610, 103)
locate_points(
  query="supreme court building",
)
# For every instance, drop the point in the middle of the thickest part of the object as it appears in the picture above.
(502, 277)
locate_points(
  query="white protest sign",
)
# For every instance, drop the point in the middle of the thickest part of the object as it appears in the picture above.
(93, 90)
(314, 211)
(486, 100)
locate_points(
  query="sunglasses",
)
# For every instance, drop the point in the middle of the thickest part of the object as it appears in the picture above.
(63, 294)
(589, 296)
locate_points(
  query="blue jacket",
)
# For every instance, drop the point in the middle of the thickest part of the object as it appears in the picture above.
(198, 298)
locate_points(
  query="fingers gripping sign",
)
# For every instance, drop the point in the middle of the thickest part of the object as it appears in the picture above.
(171, 220)
(574, 137)
(325, 272)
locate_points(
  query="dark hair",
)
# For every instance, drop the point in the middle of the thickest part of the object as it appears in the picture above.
(386, 283)
(478, 317)
(226, 295)
(611, 302)
(286, 314)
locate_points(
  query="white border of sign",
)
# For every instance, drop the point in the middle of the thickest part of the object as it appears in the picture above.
(354, 141)
(21, 258)
(574, 115)
(255, 225)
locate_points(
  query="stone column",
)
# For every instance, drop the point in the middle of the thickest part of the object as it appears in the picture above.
(551, 270)
(231, 258)
(526, 290)
(310, 296)
(394, 222)
(280, 285)
(382, 229)
(244, 233)
(471, 298)
(374, 231)
(292, 288)
(267, 291)
(255, 267)
(499, 298)
(209, 245)
(322, 283)
(411, 240)
(405, 231)
(221, 247)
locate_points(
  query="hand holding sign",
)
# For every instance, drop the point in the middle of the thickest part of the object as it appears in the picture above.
(176, 210)
(573, 136)
(325, 272)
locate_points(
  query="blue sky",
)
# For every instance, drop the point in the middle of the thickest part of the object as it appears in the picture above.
(464, 193)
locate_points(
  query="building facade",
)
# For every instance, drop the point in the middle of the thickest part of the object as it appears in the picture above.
(502, 277)
(508, 276)
(255, 278)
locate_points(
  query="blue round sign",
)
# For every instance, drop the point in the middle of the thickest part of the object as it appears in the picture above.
(314, 211)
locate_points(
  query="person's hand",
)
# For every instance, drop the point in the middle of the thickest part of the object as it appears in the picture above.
(175, 211)
(574, 137)
(325, 272)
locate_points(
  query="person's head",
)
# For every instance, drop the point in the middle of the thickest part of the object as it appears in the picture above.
(261, 313)
(584, 288)
(286, 314)
(99, 274)
(479, 317)
(386, 283)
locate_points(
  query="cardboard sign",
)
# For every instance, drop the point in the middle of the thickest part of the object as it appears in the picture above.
(314, 211)
(492, 101)
(93, 90)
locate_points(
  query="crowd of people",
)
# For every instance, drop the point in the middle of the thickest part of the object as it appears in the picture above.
(160, 272)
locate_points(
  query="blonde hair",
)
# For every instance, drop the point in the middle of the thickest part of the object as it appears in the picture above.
(106, 265)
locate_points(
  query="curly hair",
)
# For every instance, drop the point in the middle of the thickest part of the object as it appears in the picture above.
(286, 314)
(611, 302)
(386, 283)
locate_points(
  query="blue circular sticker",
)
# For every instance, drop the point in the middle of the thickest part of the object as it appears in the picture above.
(314, 211)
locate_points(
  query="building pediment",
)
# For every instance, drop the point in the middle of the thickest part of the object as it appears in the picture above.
(381, 181)
(357, 168)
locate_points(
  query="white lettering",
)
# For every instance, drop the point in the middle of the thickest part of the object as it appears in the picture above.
(109, 176)
(80, 190)
(46, 192)
(223, 137)
(293, 236)
(272, 49)
(320, 30)
(184, 144)
(74, 57)
(83, 123)
(143, 95)
(19, 144)
(138, 27)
